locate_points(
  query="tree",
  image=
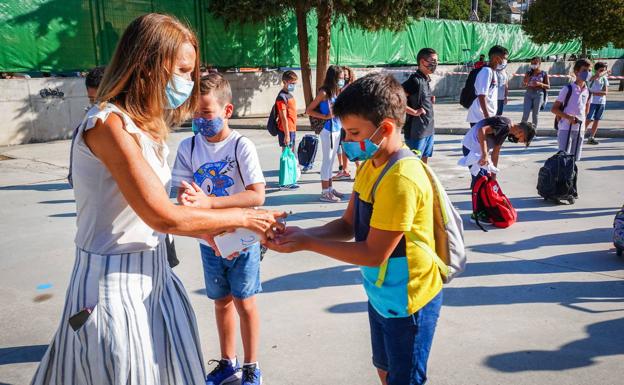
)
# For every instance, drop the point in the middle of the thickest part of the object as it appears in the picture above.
(460, 10)
(371, 15)
(595, 24)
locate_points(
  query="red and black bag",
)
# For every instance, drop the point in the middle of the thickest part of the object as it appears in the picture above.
(488, 197)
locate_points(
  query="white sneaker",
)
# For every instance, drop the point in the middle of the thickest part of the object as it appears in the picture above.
(327, 196)
(337, 194)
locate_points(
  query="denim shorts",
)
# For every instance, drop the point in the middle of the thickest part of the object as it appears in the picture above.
(401, 345)
(239, 277)
(595, 111)
(424, 145)
(281, 136)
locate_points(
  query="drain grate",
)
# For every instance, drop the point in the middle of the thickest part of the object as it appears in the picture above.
(4, 157)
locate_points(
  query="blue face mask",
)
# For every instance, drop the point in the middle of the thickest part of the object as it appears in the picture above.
(341, 83)
(178, 90)
(363, 150)
(207, 127)
(291, 87)
(584, 75)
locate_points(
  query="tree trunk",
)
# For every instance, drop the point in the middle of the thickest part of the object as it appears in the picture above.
(324, 11)
(304, 52)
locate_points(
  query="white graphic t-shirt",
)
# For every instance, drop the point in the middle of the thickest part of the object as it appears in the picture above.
(485, 84)
(215, 166)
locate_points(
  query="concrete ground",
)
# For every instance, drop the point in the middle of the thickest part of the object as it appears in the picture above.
(541, 302)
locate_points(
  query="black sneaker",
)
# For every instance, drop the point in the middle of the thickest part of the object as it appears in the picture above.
(592, 140)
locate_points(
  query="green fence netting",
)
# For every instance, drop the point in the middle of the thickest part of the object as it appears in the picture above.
(64, 35)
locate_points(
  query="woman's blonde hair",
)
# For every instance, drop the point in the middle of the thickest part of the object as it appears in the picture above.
(142, 65)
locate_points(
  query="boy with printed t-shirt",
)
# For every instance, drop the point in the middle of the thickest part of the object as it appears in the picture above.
(225, 172)
(486, 86)
(402, 281)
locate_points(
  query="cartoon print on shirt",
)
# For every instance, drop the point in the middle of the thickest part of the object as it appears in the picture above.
(213, 178)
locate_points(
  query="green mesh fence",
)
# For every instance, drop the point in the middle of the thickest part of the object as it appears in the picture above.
(65, 35)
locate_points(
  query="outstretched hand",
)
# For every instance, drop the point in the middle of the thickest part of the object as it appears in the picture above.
(290, 240)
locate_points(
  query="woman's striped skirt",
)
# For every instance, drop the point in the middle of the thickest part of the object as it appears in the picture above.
(141, 330)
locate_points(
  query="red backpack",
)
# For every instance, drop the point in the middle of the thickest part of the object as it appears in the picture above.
(488, 197)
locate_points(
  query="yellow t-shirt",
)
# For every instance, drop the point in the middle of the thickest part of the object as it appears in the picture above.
(403, 202)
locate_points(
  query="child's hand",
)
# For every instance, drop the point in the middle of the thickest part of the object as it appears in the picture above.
(290, 240)
(484, 160)
(194, 196)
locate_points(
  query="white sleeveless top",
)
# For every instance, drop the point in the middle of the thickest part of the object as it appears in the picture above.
(106, 223)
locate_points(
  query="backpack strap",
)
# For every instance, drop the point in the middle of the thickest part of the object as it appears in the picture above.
(394, 159)
(235, 155)
(397, 156)
(192, 148)
(240, 174)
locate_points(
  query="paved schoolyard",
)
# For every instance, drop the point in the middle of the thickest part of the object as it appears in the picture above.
(540, 303)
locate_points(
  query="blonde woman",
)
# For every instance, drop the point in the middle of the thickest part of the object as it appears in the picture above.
(127, 318)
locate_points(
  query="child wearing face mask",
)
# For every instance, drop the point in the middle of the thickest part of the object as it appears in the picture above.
(486, 86)
(389, 214)
(572, 117)
(219, 168)
(536, 82)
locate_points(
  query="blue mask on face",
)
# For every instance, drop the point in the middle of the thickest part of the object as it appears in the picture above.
(178, 90)
(584, 75)
(207, 127)
(361, 151)
(291, 87)
(341, 83)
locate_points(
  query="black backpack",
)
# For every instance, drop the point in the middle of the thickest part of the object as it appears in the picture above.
(468, 93)
(272, 126)
(556, 180)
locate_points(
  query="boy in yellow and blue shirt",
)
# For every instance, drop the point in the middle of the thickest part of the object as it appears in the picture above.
(390, 212)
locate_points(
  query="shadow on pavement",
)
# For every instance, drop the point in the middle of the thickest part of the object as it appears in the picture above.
(594, 261)
(604, 339)
(583, 237)
(38, 187)
(22, 354)
(615, 167)
(331, 276)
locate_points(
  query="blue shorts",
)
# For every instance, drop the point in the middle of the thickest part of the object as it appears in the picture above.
(424, 145)
(595, 111)
(281, 136)
(401, 345)
(239, 277)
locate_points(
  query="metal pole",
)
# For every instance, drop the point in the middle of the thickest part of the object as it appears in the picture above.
(438, 10)
(491, 5)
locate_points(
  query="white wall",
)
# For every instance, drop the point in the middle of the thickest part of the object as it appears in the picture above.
(27, 117)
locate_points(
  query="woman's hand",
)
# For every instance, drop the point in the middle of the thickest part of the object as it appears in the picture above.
(292, 239)
(194, 196)
(328, 116)
(263, 222)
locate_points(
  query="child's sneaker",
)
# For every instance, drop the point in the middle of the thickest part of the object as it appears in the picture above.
(289, 187)
(224, 373)
(327, 196)
(251, 375)
(337, 194)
